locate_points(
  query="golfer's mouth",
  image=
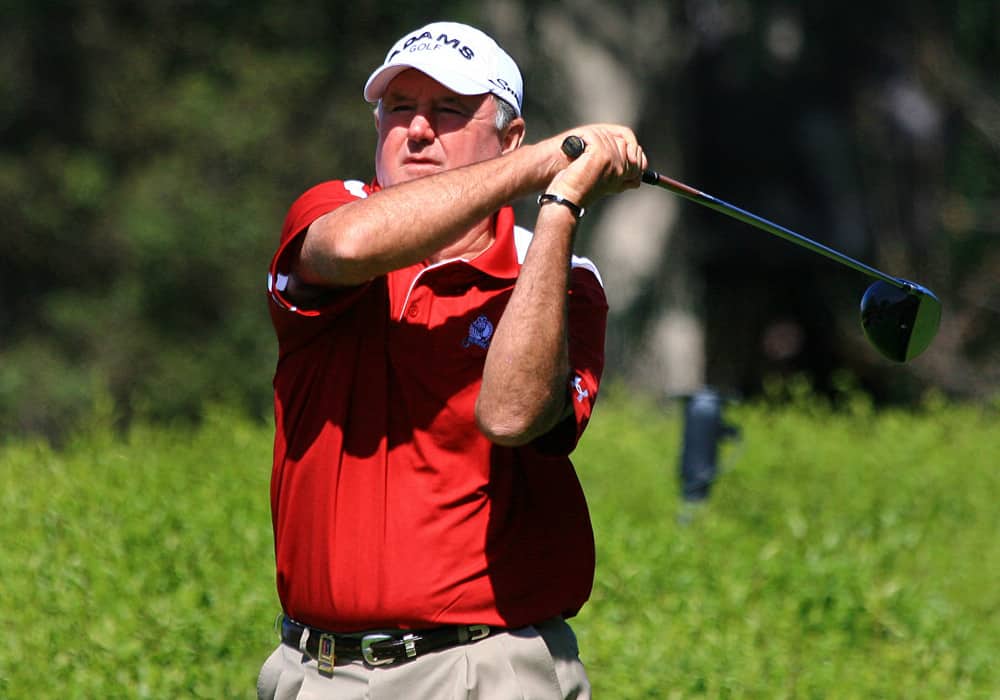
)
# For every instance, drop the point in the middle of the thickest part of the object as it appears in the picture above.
(415, 163)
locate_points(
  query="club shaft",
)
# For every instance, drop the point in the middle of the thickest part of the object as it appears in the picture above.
(652, 177)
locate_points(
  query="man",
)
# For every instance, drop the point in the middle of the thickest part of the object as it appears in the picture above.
(437, 365)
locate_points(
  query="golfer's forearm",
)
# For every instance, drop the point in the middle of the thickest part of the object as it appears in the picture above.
(524, 389)
(407, 223)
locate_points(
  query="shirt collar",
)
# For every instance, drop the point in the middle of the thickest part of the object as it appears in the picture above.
(500, 259)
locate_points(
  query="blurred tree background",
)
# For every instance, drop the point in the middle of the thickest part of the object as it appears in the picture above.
(149, 150)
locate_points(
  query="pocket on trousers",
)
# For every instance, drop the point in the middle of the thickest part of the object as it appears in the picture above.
(270, 674)
(564, 653)
(532, 663)
(559, 638)
(512, 665)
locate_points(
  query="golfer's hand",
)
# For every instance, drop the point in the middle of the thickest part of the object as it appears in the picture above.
(612, 161)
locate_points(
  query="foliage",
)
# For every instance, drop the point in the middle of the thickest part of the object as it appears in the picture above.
(846, 551)
(149, 150)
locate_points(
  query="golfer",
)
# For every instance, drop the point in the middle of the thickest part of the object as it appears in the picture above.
(437, 364)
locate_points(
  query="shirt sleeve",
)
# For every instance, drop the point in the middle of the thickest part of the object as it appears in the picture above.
(288, 318)
(588, 316)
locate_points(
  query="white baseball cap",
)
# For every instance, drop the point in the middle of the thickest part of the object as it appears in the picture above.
(460, 57)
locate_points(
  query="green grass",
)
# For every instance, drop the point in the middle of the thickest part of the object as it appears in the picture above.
(848, 553)
(138, 568)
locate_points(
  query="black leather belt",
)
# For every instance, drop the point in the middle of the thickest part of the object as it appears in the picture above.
(376, 649)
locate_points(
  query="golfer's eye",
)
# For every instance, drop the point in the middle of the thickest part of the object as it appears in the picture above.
(451, 108)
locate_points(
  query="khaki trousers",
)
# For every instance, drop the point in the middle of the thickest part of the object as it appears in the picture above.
(539, 662)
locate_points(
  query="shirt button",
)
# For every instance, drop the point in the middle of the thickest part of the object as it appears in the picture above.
(413, 311)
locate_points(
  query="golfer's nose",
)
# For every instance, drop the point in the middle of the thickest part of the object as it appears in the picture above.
(421, 128)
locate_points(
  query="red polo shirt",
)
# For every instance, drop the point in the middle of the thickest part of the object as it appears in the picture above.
(390, 508)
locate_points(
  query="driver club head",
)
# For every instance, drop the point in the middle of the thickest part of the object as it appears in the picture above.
(900, 321)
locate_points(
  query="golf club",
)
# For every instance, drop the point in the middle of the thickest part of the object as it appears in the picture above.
(900, 318)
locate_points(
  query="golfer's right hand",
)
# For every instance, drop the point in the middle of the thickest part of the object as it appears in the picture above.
(612, 161)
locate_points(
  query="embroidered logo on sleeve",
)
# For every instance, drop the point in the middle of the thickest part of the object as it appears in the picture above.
(581, 393)
(480, 333)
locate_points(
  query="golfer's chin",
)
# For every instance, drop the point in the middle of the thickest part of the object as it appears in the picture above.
(410, 171)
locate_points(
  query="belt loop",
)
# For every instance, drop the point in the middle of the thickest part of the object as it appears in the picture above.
(304, 639)
(410, 645)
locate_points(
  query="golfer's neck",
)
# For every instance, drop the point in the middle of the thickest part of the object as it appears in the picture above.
(472, 244)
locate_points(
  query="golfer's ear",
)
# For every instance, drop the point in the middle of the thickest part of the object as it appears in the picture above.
(375, 114)
(513, 136)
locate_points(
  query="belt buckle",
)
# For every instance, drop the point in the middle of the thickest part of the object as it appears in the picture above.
(369, 654)
(472, 633)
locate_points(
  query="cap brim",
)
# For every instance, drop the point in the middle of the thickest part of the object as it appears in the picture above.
(380, 79)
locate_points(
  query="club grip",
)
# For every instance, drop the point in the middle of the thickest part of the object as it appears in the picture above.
(573, 146)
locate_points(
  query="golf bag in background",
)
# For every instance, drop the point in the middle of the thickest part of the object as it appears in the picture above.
(704, 429)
